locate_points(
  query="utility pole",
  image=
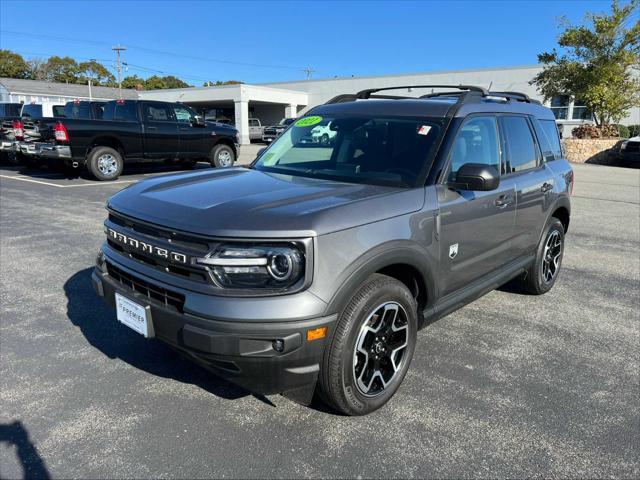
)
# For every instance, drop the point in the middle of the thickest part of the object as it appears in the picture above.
(308, 71)
(119, 49)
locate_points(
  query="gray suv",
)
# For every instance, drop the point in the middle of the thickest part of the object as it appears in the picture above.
(314, 268)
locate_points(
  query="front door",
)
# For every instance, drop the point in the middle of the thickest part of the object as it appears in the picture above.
(475, 228)
(255, 130)
(191, 134)
(161, 139)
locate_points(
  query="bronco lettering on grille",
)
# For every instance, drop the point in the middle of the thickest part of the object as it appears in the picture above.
(146, 247)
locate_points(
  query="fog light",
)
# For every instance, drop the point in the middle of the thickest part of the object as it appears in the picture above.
(278, 345)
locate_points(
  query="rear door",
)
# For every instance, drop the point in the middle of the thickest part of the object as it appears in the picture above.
(475, 228)
(161, 138)
(192, 136)
(523, 164)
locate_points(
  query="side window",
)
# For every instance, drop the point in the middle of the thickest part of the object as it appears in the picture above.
(476, 142)
(253, 122)
(550, 129)
(157, 112)
(32, 111)
(183, 115)
(58, 111)
(521, 147)
(123, 111)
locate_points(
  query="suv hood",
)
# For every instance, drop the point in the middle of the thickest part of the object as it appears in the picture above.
(239, 202)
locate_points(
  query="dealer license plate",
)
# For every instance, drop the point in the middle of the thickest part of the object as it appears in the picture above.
(134, 315)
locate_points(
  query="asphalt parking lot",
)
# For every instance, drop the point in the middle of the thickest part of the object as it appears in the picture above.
(509, 386)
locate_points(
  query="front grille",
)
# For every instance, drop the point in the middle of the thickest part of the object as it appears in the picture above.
(633, 147)
(152, 292)
(192, 247)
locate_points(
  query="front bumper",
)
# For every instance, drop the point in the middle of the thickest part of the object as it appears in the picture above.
(45, 150)
(9, 146)
(260, 355)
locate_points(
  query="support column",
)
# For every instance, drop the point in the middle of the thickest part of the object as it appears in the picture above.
(291, 111)
(242, 121)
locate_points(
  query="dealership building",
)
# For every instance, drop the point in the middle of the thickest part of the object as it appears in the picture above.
(270, 102)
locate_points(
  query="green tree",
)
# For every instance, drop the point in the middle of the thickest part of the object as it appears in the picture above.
(598, 63)
(12, 65)
(95, 71)
(133, 81)
(218, 83)
(154, 83)
(62, 69)
(173, 82)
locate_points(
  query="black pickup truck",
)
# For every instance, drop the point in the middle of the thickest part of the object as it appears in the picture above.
(135, 131)
(9, 112)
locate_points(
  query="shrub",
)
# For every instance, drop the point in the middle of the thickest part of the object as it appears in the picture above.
(592, 131)
(623, 130)
(634, 130)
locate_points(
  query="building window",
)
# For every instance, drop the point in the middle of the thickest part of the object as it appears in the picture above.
(580, 112)
(560, 106)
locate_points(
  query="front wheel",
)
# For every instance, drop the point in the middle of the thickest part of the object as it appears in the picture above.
(222, 156)
(371, 348)
(105, 163)
(544, 271)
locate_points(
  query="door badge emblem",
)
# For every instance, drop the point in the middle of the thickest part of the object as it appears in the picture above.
(453, 251)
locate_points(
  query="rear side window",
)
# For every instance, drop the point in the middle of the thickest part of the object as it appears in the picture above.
(77, 110)
(120, 111)
(476, 142)
(157, 112)
(10, 109)
(522, 153)
(32, 111)
(58, 111)
(550, 130)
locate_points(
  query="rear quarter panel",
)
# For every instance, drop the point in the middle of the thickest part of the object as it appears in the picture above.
(84, 134)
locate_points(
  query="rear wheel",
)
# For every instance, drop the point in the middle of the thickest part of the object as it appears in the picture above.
(222, 156)
(105, 163)
(544, 271)
(371, 348)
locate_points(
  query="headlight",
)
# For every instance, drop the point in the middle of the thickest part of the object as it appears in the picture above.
(624, 145)
(256, 266)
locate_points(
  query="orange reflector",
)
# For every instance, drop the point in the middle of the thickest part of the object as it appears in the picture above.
(316, 333)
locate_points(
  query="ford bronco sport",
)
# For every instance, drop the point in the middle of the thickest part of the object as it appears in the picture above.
(315, 267)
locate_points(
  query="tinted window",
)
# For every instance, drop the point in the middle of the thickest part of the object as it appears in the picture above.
(521, 147)
(377, 151)
(476, 142)
(550, 130)
(77, 110)
(157, 112)
(10, 109)
(58, 111)
(253, 123)
(32, 111)
(120, 111)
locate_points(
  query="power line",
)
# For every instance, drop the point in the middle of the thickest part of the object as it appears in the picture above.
(151, 50)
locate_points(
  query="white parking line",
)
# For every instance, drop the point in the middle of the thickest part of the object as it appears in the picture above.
(14, 177)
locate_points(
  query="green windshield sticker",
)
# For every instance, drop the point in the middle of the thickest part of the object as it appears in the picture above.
(308, 121)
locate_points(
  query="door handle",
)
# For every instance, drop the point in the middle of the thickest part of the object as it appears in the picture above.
(184, 129)
(152, 128)
(546, 187)
(503, 201)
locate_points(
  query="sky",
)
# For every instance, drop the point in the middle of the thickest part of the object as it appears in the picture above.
(268, 41)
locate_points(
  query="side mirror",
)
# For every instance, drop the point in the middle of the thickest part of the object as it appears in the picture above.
(260, 152)
(198, 121)
(477, 177)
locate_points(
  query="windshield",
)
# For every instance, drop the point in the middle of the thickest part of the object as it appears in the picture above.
(378, 151)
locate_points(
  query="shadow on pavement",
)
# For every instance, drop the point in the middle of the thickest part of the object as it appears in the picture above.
(14, 434)
(99, 326)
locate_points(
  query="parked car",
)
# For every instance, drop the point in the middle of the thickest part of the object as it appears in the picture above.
(630, 152)
(8, 113)
(136, 130)
(255, 129)
(269, 134)
(316, 266)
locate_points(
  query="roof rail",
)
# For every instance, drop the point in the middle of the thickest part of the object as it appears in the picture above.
(350, 97)
(523, 97)
(363, 94)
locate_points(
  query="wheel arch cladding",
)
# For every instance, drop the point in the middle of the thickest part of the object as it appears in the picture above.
(405, 264)
(562, 214)
(228, 142)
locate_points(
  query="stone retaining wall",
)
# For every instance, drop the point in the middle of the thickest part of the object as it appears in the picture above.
(598, 150)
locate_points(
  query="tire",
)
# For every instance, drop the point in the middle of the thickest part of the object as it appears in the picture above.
(222, 156)
(105, 163)
(541, 276)
(364, 340)
(324, 139)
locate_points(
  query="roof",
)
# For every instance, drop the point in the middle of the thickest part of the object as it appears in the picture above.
(39, 87)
